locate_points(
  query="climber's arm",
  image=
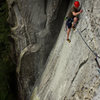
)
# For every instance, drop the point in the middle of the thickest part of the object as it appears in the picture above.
(77, 13)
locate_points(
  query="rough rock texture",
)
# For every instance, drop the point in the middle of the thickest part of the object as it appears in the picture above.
(35, 25)
(71, 70)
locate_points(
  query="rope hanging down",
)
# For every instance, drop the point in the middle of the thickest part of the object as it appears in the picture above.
(87, 44)
(90, 48)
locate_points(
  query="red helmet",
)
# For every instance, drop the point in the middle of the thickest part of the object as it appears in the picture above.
(76, 4)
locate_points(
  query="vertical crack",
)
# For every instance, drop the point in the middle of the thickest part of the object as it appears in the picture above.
(80, 66)
(45, 6)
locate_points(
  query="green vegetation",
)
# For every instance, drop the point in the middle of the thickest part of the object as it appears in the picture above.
(7, 68)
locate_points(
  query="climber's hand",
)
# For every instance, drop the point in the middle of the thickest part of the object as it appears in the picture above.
(81, 11)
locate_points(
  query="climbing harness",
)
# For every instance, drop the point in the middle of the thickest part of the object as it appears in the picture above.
(96, 55)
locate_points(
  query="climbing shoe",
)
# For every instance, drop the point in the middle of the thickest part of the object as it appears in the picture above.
(69, 40)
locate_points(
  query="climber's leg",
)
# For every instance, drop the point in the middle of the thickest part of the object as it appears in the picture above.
(68, 31)
(74, 22)
(69, 25)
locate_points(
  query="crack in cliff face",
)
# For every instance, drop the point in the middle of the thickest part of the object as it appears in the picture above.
(45, 6)
(80, 66)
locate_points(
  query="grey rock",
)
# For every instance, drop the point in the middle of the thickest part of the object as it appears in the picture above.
(48, 67)
(35, 26)
(71, 71)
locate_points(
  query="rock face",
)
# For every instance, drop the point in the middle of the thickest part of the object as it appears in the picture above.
(71, 72)
(35, 26)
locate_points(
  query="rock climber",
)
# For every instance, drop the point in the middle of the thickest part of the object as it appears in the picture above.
(72, 18)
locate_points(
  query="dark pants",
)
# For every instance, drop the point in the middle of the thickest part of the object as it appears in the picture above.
(69, 22)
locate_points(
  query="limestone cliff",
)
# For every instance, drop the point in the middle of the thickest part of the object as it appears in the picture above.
(71, 72)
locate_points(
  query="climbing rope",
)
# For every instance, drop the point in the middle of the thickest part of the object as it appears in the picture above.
(87, 44)
(90, 47)
(96, 55)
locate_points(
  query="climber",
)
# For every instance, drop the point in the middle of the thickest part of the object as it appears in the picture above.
(72, 18)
